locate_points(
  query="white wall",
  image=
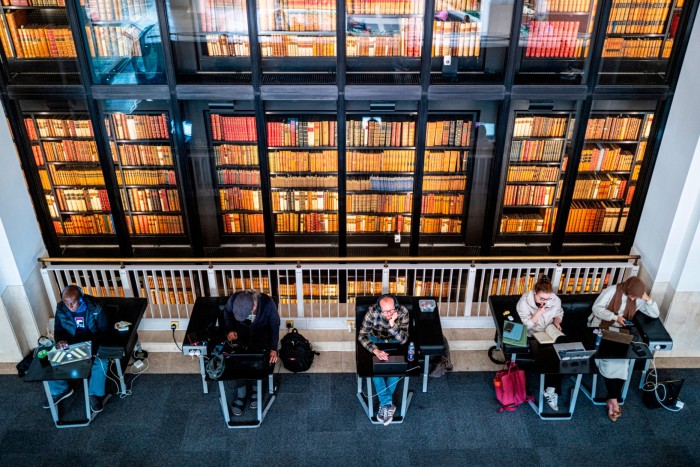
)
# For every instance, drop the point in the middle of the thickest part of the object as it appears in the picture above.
(671, 210)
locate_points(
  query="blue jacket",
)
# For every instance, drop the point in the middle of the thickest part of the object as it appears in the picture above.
(97, 322)
(265, 330)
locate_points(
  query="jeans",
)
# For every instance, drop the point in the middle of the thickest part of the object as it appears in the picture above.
(96, 384)
(385, 388)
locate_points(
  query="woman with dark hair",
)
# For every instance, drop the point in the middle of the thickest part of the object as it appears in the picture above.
(538, 308)
(614, 306)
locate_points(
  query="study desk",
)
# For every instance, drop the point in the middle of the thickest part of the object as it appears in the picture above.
(116, 346)
(542, 359)
(425, 331)
(202, 336)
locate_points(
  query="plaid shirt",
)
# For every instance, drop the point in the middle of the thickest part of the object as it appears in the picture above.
(376, 325)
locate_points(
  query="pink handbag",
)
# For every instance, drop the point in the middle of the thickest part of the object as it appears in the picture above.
(509, 384)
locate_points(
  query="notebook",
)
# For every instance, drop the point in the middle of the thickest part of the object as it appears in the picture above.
(71, 354)
(572, 351)
(395, 365)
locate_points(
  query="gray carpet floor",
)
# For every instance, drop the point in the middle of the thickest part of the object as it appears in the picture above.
(317, 420)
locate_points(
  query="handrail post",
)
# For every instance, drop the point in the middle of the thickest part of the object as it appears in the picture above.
(385, 278)
(299, 276)
(50, 286)
(556, 278)
(126, 283)
(469, 294)
(211, 279)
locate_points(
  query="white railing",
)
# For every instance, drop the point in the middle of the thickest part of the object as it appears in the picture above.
(320, 293)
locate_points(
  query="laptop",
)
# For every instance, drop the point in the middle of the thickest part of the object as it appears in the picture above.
(394, 365)
(71, 354)
(572, 351)
(614, 344)
(246, 361)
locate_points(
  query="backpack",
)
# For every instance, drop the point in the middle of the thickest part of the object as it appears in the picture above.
(509, 384)
(296, 352)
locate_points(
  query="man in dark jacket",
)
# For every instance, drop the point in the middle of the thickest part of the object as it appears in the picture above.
(78, 319)
(251, 319)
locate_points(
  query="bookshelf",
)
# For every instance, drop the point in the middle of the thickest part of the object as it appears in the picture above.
(66, 160)
(303, 160)
(37, 42)
(383, 36)
(447, 169)
(555, 41)
(608, 169)
(236, 175)
(537, 161)
(146, 174)
(123, 41)
(380, 163)
(639, 40)
(292, 29)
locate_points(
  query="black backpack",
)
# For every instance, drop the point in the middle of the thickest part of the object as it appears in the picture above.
(296, 352)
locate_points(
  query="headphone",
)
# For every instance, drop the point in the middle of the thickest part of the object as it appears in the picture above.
(386, 295)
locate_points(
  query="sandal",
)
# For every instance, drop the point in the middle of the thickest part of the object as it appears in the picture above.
(254, 401)
(237, 407)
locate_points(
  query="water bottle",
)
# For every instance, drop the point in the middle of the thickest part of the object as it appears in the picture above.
(411, 352)
(598, 338)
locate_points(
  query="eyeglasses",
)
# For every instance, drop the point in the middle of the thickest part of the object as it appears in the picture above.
(387, 312)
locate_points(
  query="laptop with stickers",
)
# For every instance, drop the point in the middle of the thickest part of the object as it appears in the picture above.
(71, 354)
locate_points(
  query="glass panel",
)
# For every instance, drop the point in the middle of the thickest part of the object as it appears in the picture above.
(537, 162)
(303, 159)
(380, 164)
(146, 169)
(123, 41)
(288, 29)
(555, 38)
(608, 170)
(210, 41)
(37, 42)
(68, 166)
(470, 41)
(384, 37)
(639, 41)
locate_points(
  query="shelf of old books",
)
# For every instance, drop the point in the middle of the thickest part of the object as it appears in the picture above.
(639, 40)
(469, 41)
(537, 161)
(383, 36)
(380, 162)
(65, 157)
(607, 173)
(37, 42)
(210, 36)
(555, 41)
(303, 158)
(447, 171)
(236, 175)
(123, 41)
(146, 172)
(289, 29)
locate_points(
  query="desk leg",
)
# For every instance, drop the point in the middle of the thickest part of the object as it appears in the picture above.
(370, 399)
(122, 384)
(203, 373)
(224, 403)
(627, 382)
(425, 373)
(405, 399)
(88, 411)
(258, 389)
(54, 408)
(574, 394)
(512, 357)
(644, 373)
(270, 384)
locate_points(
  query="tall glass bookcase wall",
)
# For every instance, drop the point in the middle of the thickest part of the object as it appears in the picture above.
(470, 41)
(37, 42)
(66, 163)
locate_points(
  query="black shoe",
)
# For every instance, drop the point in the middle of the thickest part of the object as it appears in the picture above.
(96, 404)
(60, 397)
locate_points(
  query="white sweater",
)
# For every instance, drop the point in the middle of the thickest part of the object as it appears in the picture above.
(527, 308)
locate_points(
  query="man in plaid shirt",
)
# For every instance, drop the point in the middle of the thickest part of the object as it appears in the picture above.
(384, 323)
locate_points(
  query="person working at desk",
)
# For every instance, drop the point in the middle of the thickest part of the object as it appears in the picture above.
(539, 308)
(79, 319)
(251, 319)
(617, 304)
(386, 322)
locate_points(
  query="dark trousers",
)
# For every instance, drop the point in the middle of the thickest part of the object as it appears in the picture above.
(614, 387)
(554, 381)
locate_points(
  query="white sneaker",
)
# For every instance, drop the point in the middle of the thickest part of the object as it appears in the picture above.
(552, 398)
